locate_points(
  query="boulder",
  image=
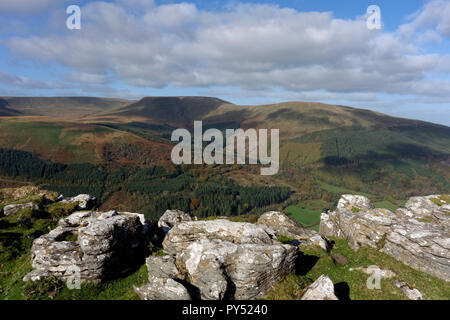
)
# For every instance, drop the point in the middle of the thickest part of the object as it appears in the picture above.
(167, 289)
(221, 259)
(171, 218)
(13, 208)
(321, 289)
(338, 258)
(221, 269)
(184, 233)
(354, 202)
(85, 201)
(163, 278)
(282, 225)
(423, 245)
(94, 245)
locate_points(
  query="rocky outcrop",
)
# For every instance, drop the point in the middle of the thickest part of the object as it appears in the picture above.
(13, 208)
(285, 226)
(423, 244)
(221, 259)
(183, 234)
(85, 201)
(171, 218)
(89, 246)
(321, 289)
(432, 209)
(30, 192)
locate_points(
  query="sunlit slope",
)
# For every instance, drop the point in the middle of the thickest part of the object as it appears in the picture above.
(71, 142)
(313, 132)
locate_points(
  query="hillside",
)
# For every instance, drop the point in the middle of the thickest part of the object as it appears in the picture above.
(176, 111)
(325, 149)
(61, 107)
(5, 111)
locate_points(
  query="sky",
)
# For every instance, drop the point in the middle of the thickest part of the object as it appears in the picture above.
(245, 52)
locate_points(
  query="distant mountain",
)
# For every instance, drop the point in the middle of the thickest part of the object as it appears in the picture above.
(62, 107)
(5, 111)
(169, 110)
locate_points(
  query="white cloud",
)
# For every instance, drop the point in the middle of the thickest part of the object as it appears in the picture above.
(253, 47)
(433, 19)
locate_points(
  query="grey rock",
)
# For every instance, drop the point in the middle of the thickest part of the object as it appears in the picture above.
(422, 209)
(338, 258)
(410, 293)
(164, 282)
(282, 225)
(85, 201)
(167, 289)
(13, 208)
(94, 245)
(222, 260)
(321, 289)
(171, 218)
(350, 201)
(162, 267)
(422, 245)
(184, 233)
(251, 270)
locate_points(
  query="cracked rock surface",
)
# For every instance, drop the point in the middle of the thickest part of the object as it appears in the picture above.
(89, 246)
(417, 235)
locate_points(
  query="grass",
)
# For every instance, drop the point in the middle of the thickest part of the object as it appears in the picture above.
(354, 282)
(391, 205)
(284, 239)
(118, 289)
(308, 212)
(342, 190)
(17, 232)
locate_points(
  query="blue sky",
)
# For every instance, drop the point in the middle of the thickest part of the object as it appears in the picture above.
(246, 52)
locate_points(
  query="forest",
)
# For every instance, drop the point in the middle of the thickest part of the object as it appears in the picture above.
(153, 189)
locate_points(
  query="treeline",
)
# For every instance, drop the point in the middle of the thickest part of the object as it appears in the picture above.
(69, 179)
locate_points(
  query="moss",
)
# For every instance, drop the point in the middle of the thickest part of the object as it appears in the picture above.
(285, 240)
(382, 242)
(426, 219)
(354, 209)
(69, 236)
(59, 210)
(441, 200)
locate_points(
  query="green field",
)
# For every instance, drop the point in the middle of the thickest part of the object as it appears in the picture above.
(308, 212)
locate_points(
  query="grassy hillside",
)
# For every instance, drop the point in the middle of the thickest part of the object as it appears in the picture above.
(351, 285)
(62, 107)
(175, 111)
(72, 142)
(325, 149)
